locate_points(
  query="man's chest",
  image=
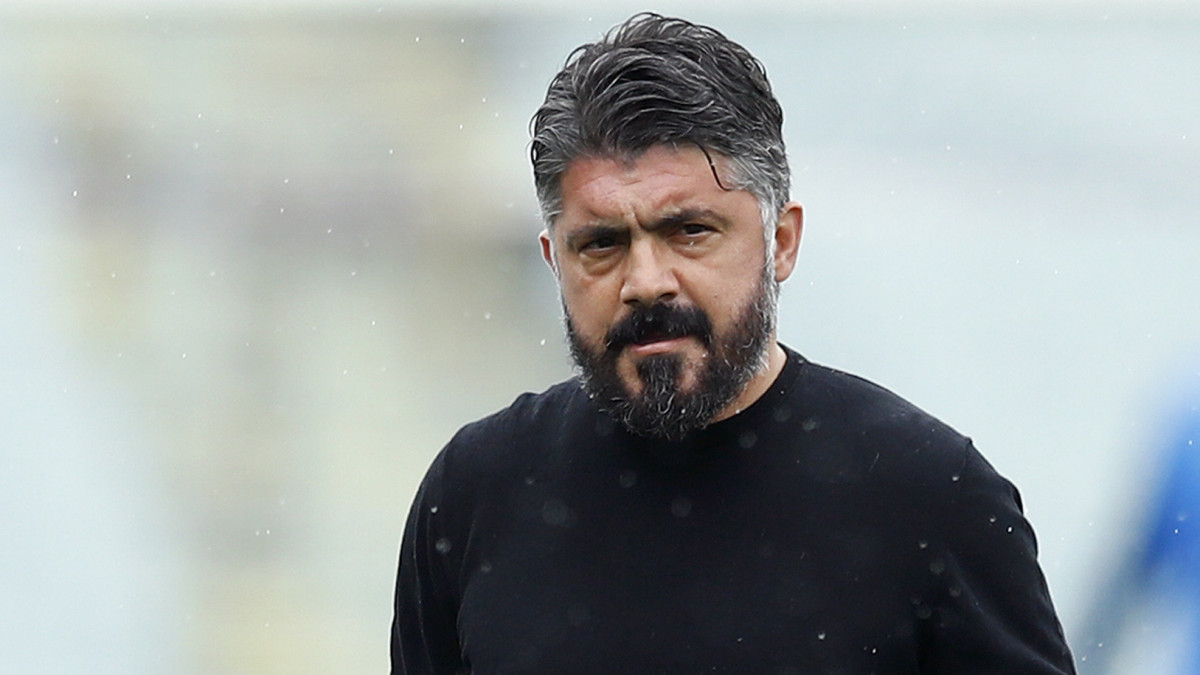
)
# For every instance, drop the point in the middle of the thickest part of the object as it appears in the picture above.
(674, 585)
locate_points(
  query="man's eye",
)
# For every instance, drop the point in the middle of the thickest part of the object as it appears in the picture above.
(694, 230)
(599, 244)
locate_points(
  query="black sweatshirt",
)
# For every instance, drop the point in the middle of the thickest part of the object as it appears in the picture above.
(831, 527)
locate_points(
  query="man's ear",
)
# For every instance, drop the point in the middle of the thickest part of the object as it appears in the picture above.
(548, 250)
(787, 239)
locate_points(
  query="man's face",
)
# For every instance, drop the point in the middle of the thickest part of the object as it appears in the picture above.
(669, 301)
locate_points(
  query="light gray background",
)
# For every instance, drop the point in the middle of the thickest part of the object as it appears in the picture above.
(260, 260)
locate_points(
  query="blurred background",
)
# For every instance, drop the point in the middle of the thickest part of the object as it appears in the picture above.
(259, 260)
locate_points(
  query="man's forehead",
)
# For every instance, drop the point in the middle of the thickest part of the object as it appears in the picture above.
(662, 178)
(718, 164)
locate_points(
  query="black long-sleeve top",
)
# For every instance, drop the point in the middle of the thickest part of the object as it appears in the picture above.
(831, 527)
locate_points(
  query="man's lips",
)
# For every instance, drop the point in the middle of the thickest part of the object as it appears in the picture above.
(659, 345)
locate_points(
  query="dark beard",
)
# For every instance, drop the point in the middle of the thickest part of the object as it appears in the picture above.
(661, 410)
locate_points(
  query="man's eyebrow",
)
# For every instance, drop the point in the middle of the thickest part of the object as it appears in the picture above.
(595, 230)
(685, 216)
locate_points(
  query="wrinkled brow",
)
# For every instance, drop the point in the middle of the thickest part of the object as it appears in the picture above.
(618, 228)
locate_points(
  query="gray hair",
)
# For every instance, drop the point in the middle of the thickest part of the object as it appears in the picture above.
(655, 80)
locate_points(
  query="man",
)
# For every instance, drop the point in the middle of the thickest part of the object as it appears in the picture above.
(702, 498)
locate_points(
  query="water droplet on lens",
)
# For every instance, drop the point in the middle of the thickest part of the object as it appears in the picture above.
(554, 512)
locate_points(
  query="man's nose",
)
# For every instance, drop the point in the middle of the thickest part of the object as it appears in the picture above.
(649, 276)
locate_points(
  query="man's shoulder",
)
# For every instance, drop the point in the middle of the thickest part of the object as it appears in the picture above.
(862, 404)
(528, 413)
(509, 434)
(885, 429)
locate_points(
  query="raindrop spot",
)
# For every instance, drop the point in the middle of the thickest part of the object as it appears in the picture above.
(555, 513)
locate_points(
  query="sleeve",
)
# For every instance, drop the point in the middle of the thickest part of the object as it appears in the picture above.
(995, 614)
(424, 637)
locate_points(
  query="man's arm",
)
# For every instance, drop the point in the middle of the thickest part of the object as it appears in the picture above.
(995, 614)
(424, 631)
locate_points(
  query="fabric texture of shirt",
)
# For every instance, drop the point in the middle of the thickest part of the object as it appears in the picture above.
(831, 527)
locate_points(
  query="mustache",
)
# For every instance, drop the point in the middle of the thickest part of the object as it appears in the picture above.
(660, 321)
